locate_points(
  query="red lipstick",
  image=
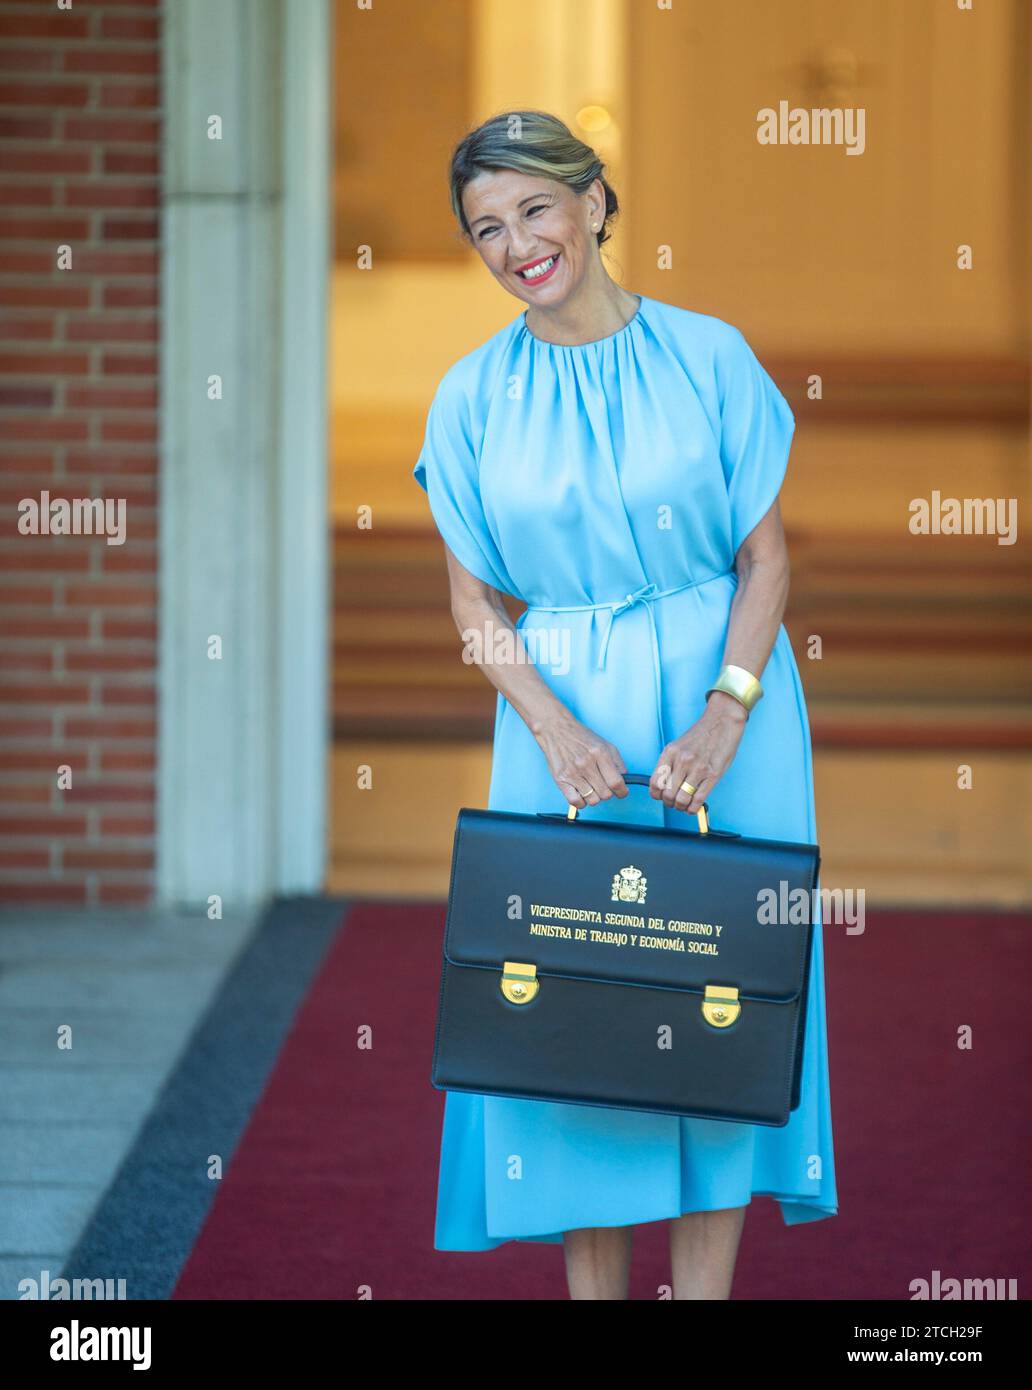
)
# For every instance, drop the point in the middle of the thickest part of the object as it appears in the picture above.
(541, 276)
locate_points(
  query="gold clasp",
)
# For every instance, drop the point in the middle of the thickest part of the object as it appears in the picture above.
(720, 1006)
(519, 982)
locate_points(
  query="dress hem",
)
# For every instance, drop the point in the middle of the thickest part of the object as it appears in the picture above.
(812, 1210)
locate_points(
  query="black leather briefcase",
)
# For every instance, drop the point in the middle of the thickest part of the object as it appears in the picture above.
(633, 967)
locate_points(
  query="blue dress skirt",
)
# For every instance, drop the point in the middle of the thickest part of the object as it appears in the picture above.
(608, 485)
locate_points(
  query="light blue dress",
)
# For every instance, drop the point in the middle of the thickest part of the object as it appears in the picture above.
(609, 485)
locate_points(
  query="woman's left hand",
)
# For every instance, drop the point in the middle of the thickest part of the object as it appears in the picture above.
(700, 756)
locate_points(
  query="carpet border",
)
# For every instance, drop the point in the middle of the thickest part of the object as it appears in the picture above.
(146, 1224)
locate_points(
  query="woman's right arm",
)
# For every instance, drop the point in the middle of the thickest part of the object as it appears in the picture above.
(586, 768)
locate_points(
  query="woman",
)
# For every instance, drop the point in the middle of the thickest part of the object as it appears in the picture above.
(614, 462)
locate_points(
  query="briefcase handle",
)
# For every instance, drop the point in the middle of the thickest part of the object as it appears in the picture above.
(642, 779)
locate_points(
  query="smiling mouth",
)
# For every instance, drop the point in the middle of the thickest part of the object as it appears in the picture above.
(540, 270)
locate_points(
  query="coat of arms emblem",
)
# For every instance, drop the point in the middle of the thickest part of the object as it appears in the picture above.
(629, 885)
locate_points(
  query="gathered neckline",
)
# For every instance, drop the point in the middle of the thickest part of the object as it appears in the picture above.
(592, 342)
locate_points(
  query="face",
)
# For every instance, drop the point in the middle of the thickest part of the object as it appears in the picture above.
(534, 234)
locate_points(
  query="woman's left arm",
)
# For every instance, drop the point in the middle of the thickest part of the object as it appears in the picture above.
(703, 754)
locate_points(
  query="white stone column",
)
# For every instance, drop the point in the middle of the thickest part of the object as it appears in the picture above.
(242, 740)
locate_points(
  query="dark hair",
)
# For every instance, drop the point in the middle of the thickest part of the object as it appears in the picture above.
(529, 142)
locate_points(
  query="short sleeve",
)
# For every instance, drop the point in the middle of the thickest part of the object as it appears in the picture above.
(448, 470)
(757, 426)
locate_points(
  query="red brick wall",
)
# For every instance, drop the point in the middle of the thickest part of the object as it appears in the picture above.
(79, 163)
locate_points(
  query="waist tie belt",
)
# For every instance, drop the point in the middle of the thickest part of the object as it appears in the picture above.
(646, 595)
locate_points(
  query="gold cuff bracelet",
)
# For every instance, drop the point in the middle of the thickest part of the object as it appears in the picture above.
(742, 685)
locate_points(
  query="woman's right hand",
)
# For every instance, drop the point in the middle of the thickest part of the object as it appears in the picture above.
(586, 768)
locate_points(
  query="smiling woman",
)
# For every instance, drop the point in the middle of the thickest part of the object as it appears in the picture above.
(614, 462)
(522, 202)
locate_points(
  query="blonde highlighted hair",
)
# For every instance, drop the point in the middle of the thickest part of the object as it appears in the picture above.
(529, 142)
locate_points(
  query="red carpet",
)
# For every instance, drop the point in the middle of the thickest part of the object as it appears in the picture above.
(333, 1185)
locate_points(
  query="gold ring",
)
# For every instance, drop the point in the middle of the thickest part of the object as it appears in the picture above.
(687, 788)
